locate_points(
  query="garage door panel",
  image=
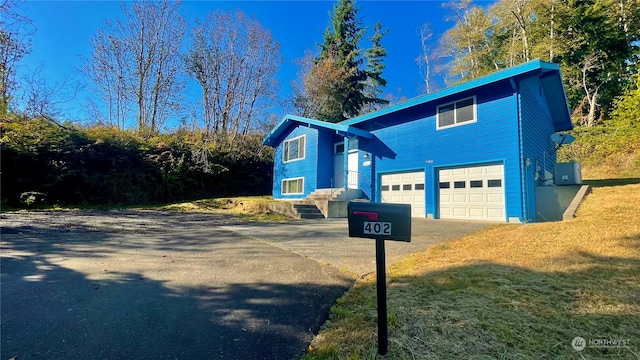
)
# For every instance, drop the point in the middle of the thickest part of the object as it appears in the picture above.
(494, 169)
(474, 192)
(461, 212)
(459, 198)
(405, 188)
(495, 213)
(477, 212)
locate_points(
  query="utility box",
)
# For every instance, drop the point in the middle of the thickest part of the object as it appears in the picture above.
(568, 173)
(379, 221)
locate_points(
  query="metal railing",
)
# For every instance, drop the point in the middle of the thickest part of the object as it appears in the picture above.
(353, 178)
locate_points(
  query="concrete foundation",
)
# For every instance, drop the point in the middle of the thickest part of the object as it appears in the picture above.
(552, 202)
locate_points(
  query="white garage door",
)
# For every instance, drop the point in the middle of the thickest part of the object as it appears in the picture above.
(472, 193)
(404, 188)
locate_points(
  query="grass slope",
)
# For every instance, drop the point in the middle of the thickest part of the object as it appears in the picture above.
(508, 292)
(247, 208)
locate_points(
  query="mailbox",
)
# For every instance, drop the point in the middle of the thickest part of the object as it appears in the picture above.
(379, 221)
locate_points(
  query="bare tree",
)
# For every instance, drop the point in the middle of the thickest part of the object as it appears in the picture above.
(235, 61)
(15, 43)
(424, 60)
(590, 63)
(466, 43)
(43, 98)
(135, 63)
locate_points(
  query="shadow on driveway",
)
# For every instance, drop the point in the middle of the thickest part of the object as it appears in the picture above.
(201, 294)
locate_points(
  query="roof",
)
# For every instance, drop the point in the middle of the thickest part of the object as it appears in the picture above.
(288, 121)
(550, 77)
(548, 73)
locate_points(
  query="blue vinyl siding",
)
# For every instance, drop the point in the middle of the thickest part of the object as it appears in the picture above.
(306, 168)
(537, 127)
(325, 157)
(418, 144)
(517, 110)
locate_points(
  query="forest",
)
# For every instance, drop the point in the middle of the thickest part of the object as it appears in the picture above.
(138, 64)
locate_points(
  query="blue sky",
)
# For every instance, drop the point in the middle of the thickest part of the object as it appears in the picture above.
(64, 29)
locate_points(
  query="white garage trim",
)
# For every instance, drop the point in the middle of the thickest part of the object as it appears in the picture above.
(472, 192)
(404, 188)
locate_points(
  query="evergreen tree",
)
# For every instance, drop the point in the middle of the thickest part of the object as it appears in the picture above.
(375, 68)
(341, 57)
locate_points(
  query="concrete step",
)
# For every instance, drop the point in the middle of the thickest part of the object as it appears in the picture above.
(308, 211)
(311, 216)
(306, 208)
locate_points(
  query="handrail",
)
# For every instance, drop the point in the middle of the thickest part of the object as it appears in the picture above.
(358, 176)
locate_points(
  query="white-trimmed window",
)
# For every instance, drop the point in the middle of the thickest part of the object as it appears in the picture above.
(294, 149)
(293, 186)
(457, 113)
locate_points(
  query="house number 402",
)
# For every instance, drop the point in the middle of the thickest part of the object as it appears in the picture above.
(377, 228)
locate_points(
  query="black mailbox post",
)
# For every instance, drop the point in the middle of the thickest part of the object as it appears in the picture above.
(380, 222)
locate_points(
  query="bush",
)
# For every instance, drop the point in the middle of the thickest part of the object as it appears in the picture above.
(613, 146)
(106, 166)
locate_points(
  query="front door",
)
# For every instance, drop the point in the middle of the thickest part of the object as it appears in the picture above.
(352, 166)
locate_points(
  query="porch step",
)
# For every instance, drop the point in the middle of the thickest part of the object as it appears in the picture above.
(308, 211)
(324, 195)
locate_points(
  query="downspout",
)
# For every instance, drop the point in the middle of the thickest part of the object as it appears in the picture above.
(521, 165)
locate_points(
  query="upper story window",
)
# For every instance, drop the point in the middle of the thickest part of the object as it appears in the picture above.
(457, 113)
(294, 149)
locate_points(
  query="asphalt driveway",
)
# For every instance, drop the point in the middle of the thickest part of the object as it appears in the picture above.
(327, 240)
(147, 285)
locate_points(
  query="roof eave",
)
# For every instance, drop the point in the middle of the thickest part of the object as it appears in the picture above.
(274, 136)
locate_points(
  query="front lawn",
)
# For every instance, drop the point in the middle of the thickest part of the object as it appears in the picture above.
(508, 292)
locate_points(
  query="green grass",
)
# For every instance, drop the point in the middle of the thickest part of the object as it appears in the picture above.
(508, 292)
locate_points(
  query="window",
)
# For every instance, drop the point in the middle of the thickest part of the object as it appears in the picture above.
(395, 187)
(339, 148)
(459, 185)
(419, 187)
(475, 183)
(294, 149)
(406, 187)
(384, 188)
(293, 186)
(494, 183)
(444, 185)
(353, 144)
(457, 113)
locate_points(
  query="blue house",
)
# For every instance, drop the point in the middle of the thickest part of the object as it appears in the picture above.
(476, 150)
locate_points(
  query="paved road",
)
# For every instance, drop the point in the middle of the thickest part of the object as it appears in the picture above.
(137, 285)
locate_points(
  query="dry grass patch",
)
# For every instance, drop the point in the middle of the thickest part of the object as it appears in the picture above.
(508, 292)
(247, 208)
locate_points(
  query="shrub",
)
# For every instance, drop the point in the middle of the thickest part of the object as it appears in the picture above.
(103, 165)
